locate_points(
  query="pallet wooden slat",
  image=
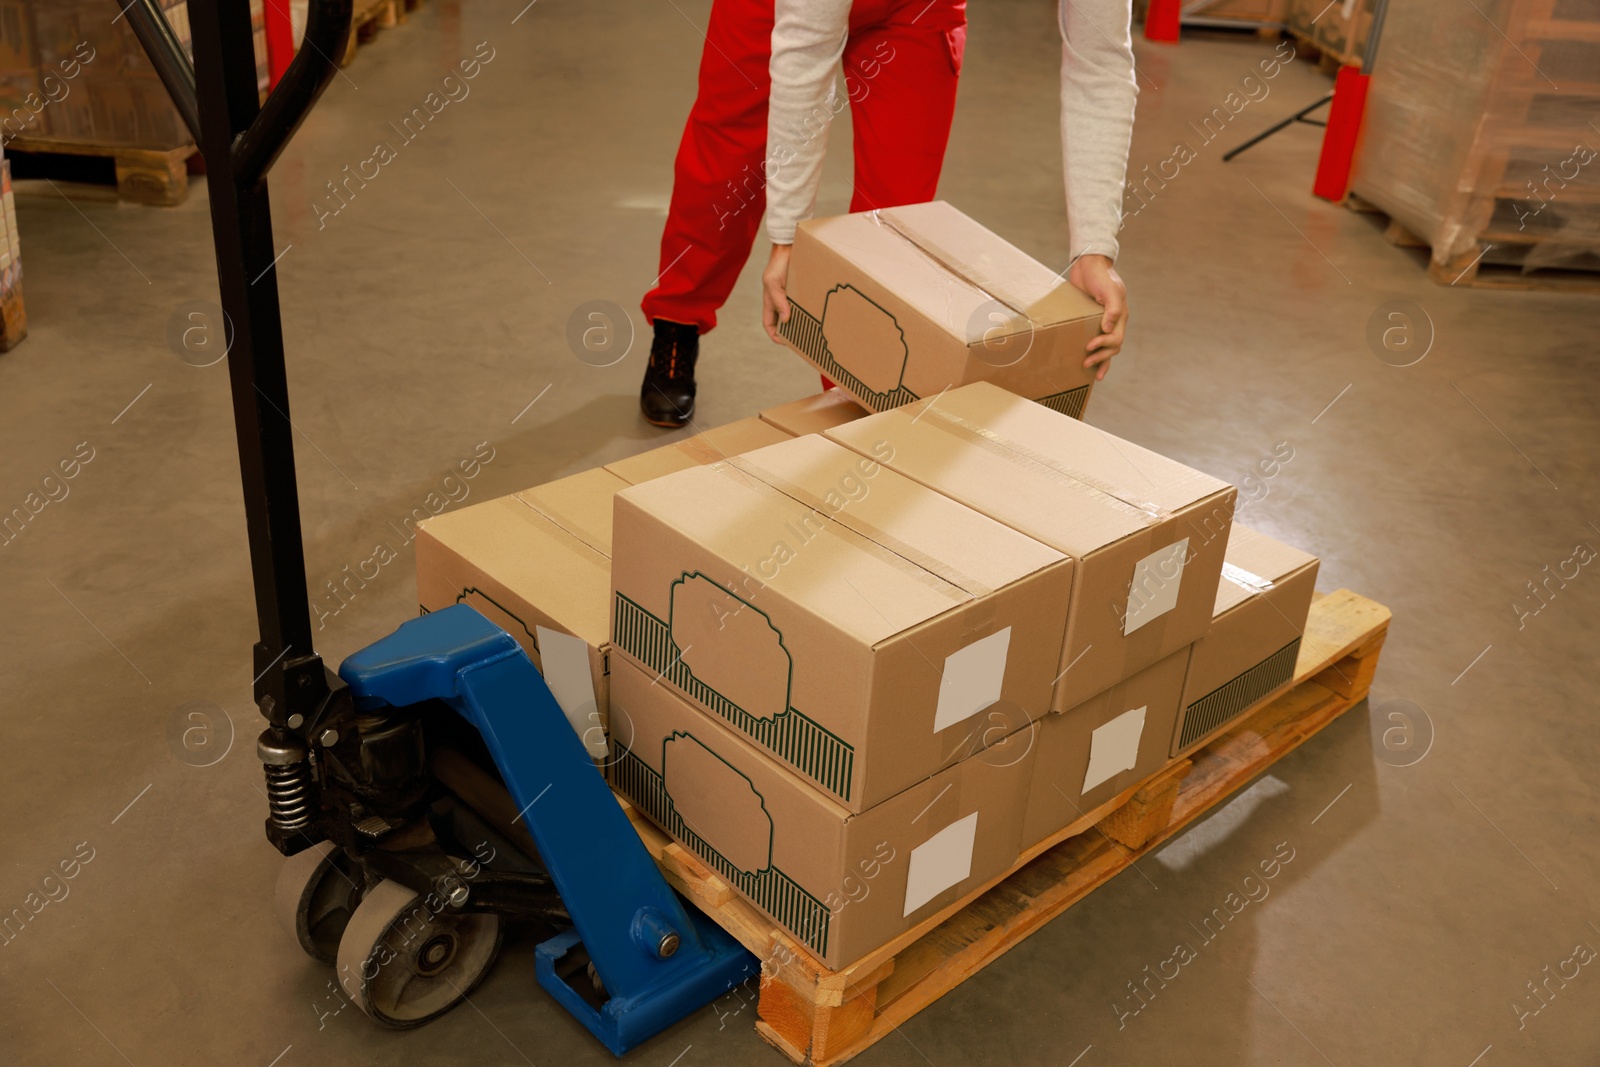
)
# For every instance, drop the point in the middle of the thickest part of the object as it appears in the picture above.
(155, 176)
(819, 1016)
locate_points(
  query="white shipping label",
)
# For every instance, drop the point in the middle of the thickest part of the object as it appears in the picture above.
(943, 860)
(1114, 748)
(972, 679)
(566, 672)
(1154, 590)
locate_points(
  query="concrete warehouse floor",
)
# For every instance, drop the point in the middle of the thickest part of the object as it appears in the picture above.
(430, 312)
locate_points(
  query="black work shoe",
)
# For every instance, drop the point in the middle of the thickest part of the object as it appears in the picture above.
(667, 396)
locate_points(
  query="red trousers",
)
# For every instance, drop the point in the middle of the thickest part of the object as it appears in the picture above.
(901, 64)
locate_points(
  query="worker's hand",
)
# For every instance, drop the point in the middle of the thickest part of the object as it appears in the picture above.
(1094, 275)
(774, 291)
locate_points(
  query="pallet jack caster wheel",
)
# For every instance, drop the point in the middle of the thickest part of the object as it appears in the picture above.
(317, 893)
(404, 963)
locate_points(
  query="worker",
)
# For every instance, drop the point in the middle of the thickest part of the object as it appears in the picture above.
(1097, 102)
(901, 62)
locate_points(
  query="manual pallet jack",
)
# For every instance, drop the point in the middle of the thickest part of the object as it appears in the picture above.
(391, 875)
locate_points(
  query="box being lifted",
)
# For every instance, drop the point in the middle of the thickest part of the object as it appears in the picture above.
(1256, 628)
(860, 627)
(1147, 532)
(904, 303)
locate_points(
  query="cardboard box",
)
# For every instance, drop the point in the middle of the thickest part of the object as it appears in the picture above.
(1147, 532)
(814, 414)
(581, 505)
(538, 564)
(742, 436)
(906, 302)
(538, 580)
(841, 883)
(856, 625)
(1102, 747)
(1249, 655)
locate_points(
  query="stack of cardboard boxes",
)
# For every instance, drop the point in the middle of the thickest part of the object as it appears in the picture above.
(538, 563)
(860, 663)
(859, 673)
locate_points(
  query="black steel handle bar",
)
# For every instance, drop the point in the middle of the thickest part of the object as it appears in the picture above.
(166, 55)
(258, 146)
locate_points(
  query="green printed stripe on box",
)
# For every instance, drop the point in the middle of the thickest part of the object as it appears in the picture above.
(804, 331)
(815, 751)
(1228, 701)
(1068, 403)
(801, 913)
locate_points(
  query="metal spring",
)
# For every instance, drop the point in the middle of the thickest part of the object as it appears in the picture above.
(289, 795)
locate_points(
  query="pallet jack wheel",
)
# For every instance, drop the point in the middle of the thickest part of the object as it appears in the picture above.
(403, 963)
(317, 893)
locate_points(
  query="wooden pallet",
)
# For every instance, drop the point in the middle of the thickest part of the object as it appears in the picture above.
(155, 176)
(815, 1015)
(1327, 60)
(1494, 262)
(369, 17)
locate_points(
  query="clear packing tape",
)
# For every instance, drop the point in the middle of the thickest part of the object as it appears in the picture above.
(1482, 127)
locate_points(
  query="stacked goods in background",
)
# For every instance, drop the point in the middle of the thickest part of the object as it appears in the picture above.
(72, 74)
(904, 303)
(13, 317)
(1337, 30)
(75, 82)
(538, 563)
(1236, 12)
(1479, 141)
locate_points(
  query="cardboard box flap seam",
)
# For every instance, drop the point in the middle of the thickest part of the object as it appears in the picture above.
(565, 524)
(1254, 583)
(878, 218)
(937, 567)
(907, 566)
(1147, 512)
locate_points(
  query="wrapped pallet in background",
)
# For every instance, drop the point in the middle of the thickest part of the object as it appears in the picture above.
(1337, 29)
(1480, 133)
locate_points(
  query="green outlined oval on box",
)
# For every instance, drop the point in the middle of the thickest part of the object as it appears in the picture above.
(864, 338)
(717, 803)
(730, 646)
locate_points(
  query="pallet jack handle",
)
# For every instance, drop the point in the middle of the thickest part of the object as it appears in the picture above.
(654, 960)
(240, 138)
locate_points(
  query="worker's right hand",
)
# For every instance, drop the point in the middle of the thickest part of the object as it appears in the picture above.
(1095, 275)
(774, 291)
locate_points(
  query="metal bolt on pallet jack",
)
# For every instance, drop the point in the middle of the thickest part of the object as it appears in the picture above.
(432, 789)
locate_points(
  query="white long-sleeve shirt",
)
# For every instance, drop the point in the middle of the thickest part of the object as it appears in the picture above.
(1097, 101)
